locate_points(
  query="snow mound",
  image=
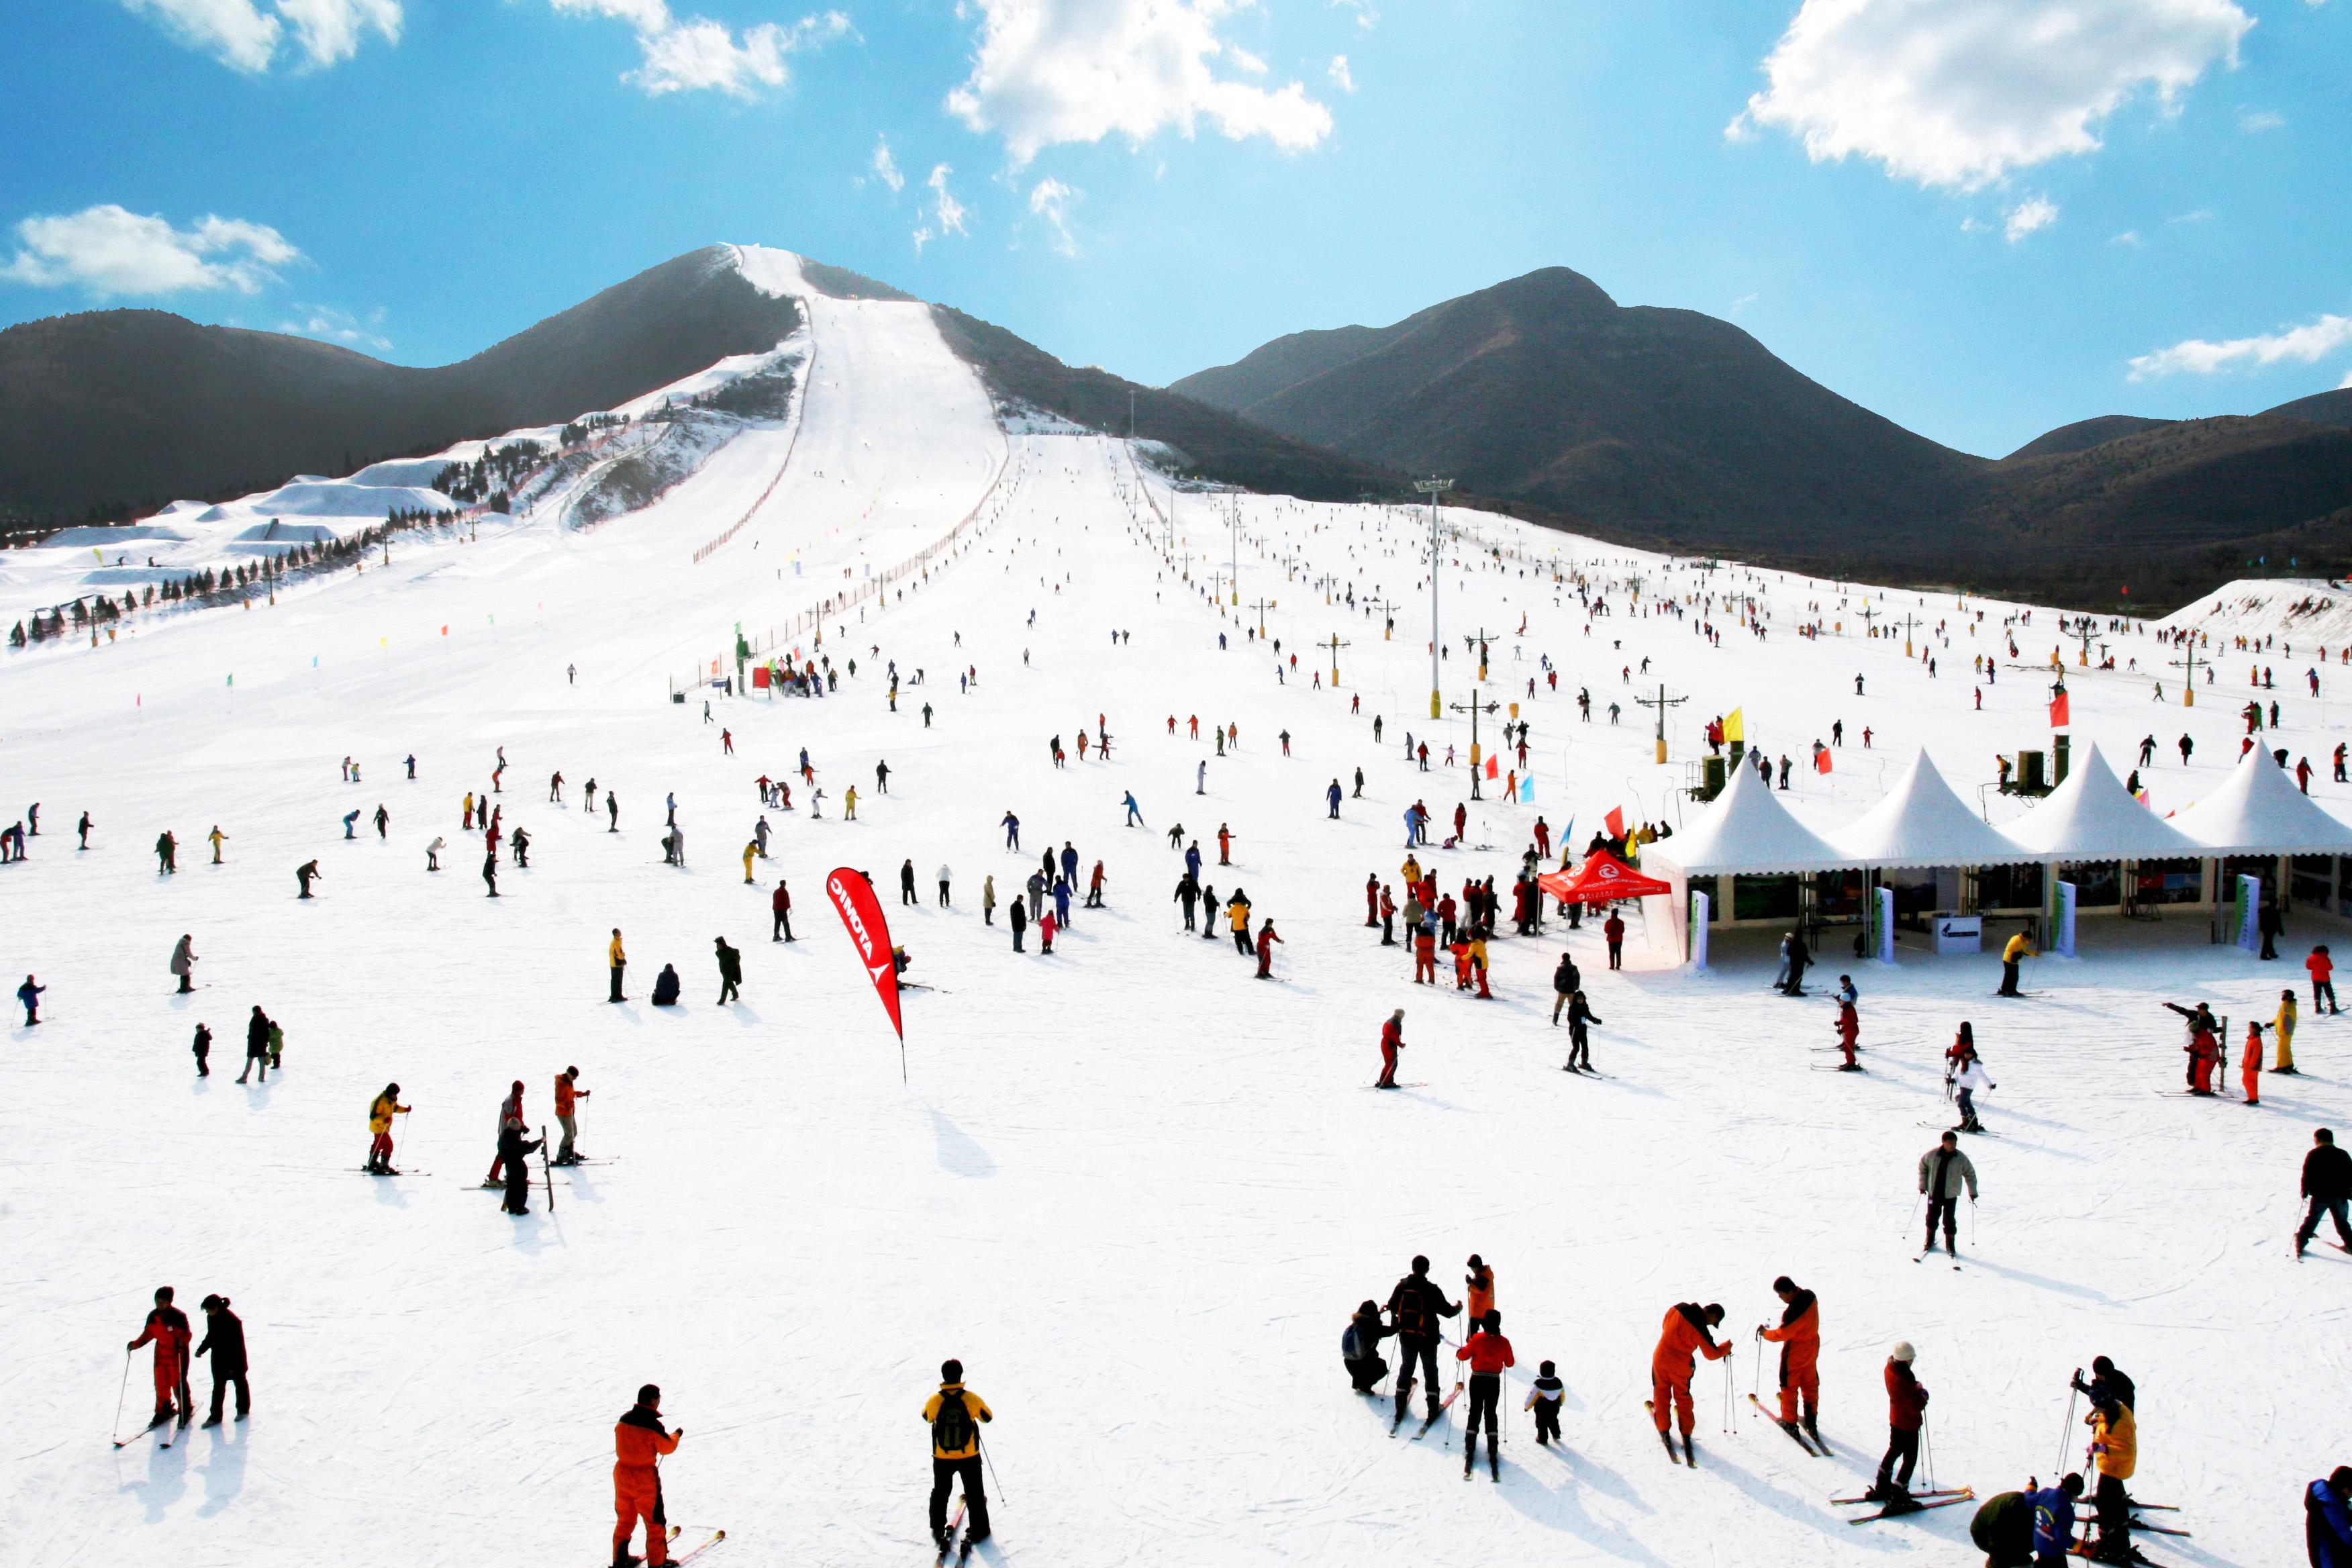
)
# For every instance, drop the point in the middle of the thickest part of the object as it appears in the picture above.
(100, 538)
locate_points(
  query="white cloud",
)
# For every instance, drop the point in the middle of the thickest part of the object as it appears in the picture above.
(949, 211)
(1051, 71)
(1342, 77)
(330, 325)
(1956, 93)
(1052, 200)
(1254, 64)
(1368, 19)
(698, 55)
(2312, 341)
(108, 250)
(2129, 239)
(2345, 383)
(2253, 121)
(243, 37)
(885, 167)
(2031, 214)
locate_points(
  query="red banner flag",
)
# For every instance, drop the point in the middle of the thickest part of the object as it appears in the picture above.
(2058, 711)
(1821, 761)
(1615, 822)
(861, 914)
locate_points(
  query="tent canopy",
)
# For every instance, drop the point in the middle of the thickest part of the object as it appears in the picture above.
(2091, 816)
(1746, 830)
(1602, 880)
(2258, 811)
(1922, 823)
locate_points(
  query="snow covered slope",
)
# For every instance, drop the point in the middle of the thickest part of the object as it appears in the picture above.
(1135, 1190)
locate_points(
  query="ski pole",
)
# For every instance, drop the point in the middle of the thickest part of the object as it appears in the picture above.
(2073, 1392)
(1928, 1441)
(989, 1462)
(1915, 1214)
(120, 1395)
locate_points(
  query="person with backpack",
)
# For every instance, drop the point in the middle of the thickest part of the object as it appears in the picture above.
(1414, 1308)
(1488, 1353)
(954, 1415)
(1359, 1347)
(638, 1444)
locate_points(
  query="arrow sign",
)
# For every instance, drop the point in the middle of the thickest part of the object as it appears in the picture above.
(861, 916)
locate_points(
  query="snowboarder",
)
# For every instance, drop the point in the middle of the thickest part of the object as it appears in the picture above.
(619, 961)
(1684, 1333)
(730, 972)
(381, 1110)
(1800, 1339)
(167, 1330)
(1391, 1041)
(639, 1442)
(2327, 1189)
(1906, 1407)
(305, 874)
(224, 1342)
(1488, 1352)
(954, 1414)
(1359, 1348)
(1414, 1308)
(568, 1093)
(1942, 1171)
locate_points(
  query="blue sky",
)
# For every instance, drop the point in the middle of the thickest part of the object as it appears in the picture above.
(1979, 217)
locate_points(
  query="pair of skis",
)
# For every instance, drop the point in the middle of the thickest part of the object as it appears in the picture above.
(678, 1558)
(949, 1541)
(1434, 1416)
(1814, 1444)
(1915, 1502)
(1688, 1455)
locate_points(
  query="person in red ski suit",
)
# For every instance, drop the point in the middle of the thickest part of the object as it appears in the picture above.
(1800, 1339)
(1425, 956)
(1488, 1352)
(638, 1444)
(1391, 1041)
(1849, 1031)
(1265, 941)
(1681, 1335)
(167, 1330)
(1373, 900)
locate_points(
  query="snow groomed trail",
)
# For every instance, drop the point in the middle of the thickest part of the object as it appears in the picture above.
(1136, 1192)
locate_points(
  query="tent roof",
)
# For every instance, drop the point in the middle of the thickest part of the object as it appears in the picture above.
(1745, 830)
(2258, 811)
(1922, 823)
(1602, 878)
(2091, 816)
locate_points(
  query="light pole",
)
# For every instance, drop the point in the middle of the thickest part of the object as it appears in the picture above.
(1433, 487)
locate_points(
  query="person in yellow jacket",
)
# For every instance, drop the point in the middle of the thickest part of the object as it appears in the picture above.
(380, 1114)
(954, 1414)
(849, 803)
(2282, 1030)
(2018, 951)
(1237, 917)
(1412, 870)
(619, 961)
(750, 853)
(2115, 1447)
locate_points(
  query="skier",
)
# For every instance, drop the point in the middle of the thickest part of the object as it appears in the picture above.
(166, 853)
(305, 874)
(183, 962)
(730, 972)
(381, 1111)
(2327, 1520)
(85, 825)
(2323, 978)
(29, 993)
(1564, 983)
(619, 961)
(954, 1415)
(2327, 1189)
(1265, 941)
(203, 1050)
(1544, 1397)
(1478, 1290)
(638, 1442)
(224, 1342)
(1849, 1033)
(1047, 924)
(167, 1330)
(1799, 957)
(2115, 1450)
(944, 878)
(1906, 1408)
(1333, 796)
(780, 908)
(567, 1093)
(256, 1045)
(1800, 1339)
(1011, 826)
(1020, 922)
(1613, 931)
(2250, 1065)
(2283, 1031)
(1134, 812)
(1094, 887)
(1942, 1171)
(1488, 1352)
(433, 853)
(382, 823)
(2016, 952)
(1683, 1334)
(1359, 1348)
(2204, 1046)
(216, 837)
(490, 871)
(1414, 1308)
(515, 1149)
(1391, 1041)
(1579, 1039)
(906, 878)
(509, 1109)
(1970, 1080)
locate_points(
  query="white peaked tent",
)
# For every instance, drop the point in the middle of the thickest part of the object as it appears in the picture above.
(1922, 823)
(1745, 832)
(2091, 816)
(2258, 810)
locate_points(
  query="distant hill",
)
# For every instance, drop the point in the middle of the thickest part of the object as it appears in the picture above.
(114, 411)
(1674, 430)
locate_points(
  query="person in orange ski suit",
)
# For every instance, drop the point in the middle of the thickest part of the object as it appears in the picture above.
(1683, 1334)
(638, 1442)
(167, 1329)
(1800, 1339)
(2250, 1067)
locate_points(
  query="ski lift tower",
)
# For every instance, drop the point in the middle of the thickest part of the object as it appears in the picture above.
(1433, 487)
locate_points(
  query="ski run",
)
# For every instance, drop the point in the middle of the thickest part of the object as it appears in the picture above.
(1127, 1186)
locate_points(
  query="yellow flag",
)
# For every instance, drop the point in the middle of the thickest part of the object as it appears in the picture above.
(1733, 730)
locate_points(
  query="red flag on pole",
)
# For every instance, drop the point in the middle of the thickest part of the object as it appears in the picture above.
(2058, 711)
(1615, 822)
(1821, 761)
(1494, 767)
(861, 914)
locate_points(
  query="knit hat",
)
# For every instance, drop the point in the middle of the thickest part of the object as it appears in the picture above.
(1904, 1352)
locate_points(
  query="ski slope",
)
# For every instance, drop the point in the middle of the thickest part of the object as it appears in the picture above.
(1136, 1192)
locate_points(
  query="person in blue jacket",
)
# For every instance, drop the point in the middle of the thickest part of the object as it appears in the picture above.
(1334, 797)
(2054, 1521)
(2327, 1520)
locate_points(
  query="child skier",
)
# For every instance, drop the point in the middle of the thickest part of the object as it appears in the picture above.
(1544, 1398)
